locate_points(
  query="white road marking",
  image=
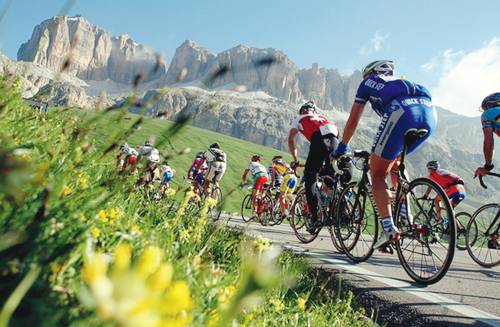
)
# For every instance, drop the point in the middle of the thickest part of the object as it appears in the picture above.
(423, 293)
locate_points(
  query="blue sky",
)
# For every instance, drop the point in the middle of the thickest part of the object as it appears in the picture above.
(427, 39)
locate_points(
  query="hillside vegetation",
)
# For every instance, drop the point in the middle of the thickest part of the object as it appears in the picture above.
(82, 246)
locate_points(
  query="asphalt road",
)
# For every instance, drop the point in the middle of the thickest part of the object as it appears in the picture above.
(468, 295)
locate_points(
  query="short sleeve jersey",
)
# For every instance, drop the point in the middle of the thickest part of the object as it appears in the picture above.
(491, 118)
(281, 168)
(257, 169)
(213, 154)
(381, 90)
(444, 178)
(309, 123)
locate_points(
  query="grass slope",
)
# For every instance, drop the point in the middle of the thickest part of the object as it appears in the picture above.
(196, 139)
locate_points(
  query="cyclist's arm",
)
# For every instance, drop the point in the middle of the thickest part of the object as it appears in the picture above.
(488, 145)
(244, 177)
(352, 122)
(292, 147)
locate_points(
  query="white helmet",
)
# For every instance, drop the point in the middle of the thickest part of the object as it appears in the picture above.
(154, 156)
(379, 67)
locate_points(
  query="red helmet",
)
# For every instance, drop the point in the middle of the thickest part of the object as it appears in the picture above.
(255, 157)
(307, 107)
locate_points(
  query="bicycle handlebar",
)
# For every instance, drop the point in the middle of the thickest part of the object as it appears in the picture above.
(482, 182)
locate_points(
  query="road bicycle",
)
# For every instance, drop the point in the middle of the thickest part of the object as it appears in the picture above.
(326, 189)
(426, 246)
(483, 233)
(264, 212)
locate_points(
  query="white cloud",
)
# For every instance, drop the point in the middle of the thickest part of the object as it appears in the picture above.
(466, 78)
(375, 45)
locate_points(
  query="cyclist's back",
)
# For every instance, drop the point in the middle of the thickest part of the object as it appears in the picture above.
(216, 159)
(491, 118)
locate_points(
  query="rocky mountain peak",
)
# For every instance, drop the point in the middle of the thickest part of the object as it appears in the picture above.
(94, 54)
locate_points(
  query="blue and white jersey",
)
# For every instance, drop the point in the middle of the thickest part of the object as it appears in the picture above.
(491, 118)
(381, 90)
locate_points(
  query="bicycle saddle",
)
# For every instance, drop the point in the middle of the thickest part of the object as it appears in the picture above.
(413, 135)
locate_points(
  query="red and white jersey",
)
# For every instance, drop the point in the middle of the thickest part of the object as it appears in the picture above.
(312, 122)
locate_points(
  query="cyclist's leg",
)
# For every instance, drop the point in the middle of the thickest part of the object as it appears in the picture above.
(313, 164)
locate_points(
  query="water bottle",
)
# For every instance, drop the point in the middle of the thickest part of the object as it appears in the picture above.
(348, 195)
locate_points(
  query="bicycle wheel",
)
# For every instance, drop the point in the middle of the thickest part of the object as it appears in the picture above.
(215, 212)
(265, 212)
(356, 223)
(483, 235)
(462, 220)
(332, 225)
(247, 209)
(300, 213)
(427, 243)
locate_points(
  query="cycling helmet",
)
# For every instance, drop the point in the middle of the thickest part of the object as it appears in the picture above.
(307, 107)
(147, 143)
(433, 164)
(199, 154)
(215, 146)
(492, 100)
(256, 157)
(276, 158)
(379, 67)
(124, 146)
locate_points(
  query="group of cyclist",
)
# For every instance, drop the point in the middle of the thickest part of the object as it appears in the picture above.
(207, 168)
(403, 106)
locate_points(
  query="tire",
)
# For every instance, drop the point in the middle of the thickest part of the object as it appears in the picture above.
(267, 215)
(299, 213)
(462, 219)
(423, 229)
(216, 211)
(356, 223)
(332, 225)
(477, 240)
(247, 209)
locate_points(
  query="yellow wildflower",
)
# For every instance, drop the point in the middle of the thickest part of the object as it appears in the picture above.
(83, 182)
(278, 304)
(82, 217)
(135, 230)
(226, 293)
(211, 202)
(95, 232)
(170, 192)
(177, 298)
(149, 261)
(66, 190)
(114, 213)
(162, 278)
(123, 253)
(185, 234)
(94, 267)
(103, 216)
(262, 244)
(301, 303)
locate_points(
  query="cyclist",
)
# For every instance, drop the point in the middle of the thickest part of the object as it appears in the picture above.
(151, 171)
(216, 160)
(490, 120)
(127, 157)
(167, 176)
(146, 149)
(452, 184)
(260, 178)
(197, 171)
(403, 105)
(273, 176)
(288, 182)
(322, 135)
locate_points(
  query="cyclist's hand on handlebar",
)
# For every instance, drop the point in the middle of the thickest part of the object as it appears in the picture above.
(341, 150)
(481, 171)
